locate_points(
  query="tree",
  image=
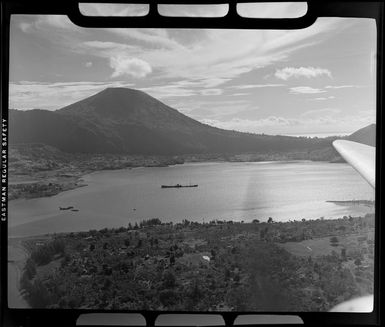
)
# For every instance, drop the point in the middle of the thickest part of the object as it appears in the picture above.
(58, 246)
(38, 295)
(168, 297)
(334, 241)
(169, 280)
(238, 298)
(227, 274)
(42, 255)
(270, 220)
(140, 243)
(30, 269)
(172, 259)
(343, 254)
(107, 283)
(195, 292)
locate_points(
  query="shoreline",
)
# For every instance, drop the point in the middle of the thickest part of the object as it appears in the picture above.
(51, 182)
(203, 222)
(18, 254)
(17, 257)
(367, 203)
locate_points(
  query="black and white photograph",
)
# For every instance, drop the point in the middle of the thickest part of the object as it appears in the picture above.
(191, 170)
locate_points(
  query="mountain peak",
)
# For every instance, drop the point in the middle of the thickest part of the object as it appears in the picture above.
(119, 90)
(134, 107)
(113, 102)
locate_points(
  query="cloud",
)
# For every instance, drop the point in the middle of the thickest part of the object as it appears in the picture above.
(58, 21)
(186, 88)
(88, 64)
(251, 125)
(308, 72)
(36, 95)
(273, 125)
(305, 90)
(208, 107)
(185, 54)
(212, 82)
(222, 53)
(43, 24)
(251, 86)
(134, 67)
(342, 86)
(206, 83)
(326, 112)
(239, 94)
(325, 98)
(150, 36)
(107, 45)
(168, 91)
(211, 92)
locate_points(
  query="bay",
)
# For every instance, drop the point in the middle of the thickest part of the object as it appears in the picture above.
(231, 191)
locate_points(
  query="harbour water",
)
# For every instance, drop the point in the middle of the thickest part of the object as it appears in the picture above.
(231, 191)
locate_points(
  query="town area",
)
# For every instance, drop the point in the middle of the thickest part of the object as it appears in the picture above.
(307, 265)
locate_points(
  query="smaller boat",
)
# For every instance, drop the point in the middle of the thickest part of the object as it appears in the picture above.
(66, 208)
(74, 209)
(179, 186)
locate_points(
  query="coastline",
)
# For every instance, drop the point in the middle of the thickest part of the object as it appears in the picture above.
(47, 179)
(17, 257)
(52, 183)
(45, 209)
(18, 254)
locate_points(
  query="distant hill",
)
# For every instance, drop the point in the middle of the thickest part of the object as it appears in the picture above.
(121, 120)
(366, 135)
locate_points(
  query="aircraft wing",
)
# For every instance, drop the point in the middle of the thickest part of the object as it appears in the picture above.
(363, 159)
(360, 156)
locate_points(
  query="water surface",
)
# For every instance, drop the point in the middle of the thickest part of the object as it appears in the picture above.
(237, 191)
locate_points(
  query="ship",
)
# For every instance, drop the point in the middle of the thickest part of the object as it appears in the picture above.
(179, 186)
(66, 208)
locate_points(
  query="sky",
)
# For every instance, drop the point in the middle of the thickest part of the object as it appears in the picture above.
(316, 81)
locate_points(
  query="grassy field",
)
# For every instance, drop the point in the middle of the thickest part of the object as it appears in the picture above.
(322, 246)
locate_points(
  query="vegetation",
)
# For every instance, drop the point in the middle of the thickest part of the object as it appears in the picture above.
(215, 266)
(45, 253)
(40, 170)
